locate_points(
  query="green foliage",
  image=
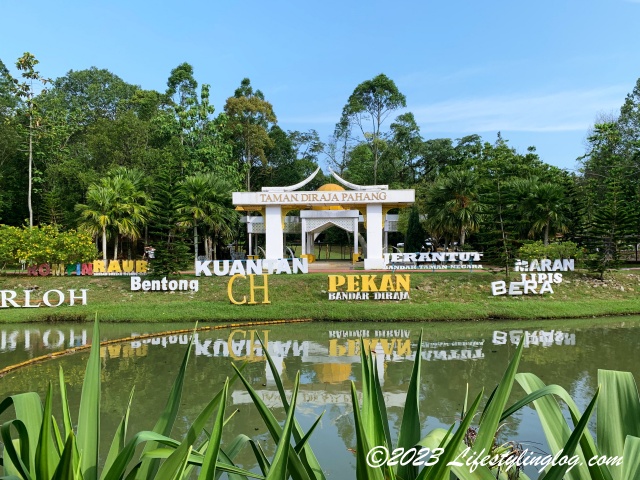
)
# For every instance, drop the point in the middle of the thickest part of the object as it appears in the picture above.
(249, 117)
(610, 200)
(370, 104)
(44, 244)
(541, 205)
(361, 162)
(169, 240)
(405, 149)
(57, 142)
(204, 202)
(31, 109)
(291, 158)
(538, 250)
(618, 425)
(117, 205)
(415, 236)
(453, 206)
(90, 95)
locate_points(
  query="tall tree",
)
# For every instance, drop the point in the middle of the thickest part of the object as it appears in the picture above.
(415, 236)
(629, 124)
(369, 106)
(249, 117)
(169, 240)
(97, 215)
(339, 146)
(608, 182)
(203, 201)
(116, 205)
(88, 124)
(453, 206)
(406, 148)
(9, 144)
(133, 206)
(293, 157)
(188, 116)
(497, 165)
(541, 205)
(25, 90)
(91, 94)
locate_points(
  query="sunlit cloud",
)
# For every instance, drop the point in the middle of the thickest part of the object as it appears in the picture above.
(571, 110)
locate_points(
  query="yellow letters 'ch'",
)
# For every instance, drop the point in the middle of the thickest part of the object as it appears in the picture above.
(252, 289)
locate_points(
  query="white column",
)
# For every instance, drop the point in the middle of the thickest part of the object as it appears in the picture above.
(304, 236)
(250, 235)
(278, 361)
(355, 235)
(374, 259)
(379, 353)
(273, 232)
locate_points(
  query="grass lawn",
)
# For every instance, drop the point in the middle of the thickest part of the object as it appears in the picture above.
(439, 296)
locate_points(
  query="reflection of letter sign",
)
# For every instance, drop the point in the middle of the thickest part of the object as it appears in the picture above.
(252, 288)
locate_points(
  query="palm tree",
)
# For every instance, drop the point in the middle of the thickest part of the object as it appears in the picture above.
(99, 212)
(542, 205)
(116, 203)
(205, 199)
(221, 219)
(132, 209)
(453, 206)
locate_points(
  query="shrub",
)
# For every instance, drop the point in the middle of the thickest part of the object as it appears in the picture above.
(537, 250)
(44, 244)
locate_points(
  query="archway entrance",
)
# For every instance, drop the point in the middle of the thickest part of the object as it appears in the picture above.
(314, 222)
(331, 204)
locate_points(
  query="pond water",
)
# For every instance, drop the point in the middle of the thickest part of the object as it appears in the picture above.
(568, 353)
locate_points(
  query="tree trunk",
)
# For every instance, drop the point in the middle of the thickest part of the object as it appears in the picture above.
(375, 167)
(248, 165)
(30, 164)
(115, 247)
(504, 236)
(546, 234)
(463, 236)
(195, 238)
(104, 244)
(213, 246)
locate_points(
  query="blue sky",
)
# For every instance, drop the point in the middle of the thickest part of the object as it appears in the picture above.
(539, 72)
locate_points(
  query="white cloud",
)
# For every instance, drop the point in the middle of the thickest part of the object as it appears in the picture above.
(570, 110)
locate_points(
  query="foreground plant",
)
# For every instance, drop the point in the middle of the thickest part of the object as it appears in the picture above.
(618, 426)
(36, 448)
(372, 428)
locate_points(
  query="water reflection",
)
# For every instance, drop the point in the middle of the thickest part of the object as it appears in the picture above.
(327, 355)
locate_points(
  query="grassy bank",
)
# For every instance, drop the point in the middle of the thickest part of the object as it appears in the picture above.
(442, 296)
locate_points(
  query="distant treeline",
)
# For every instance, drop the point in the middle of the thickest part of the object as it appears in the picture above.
(89, 151)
